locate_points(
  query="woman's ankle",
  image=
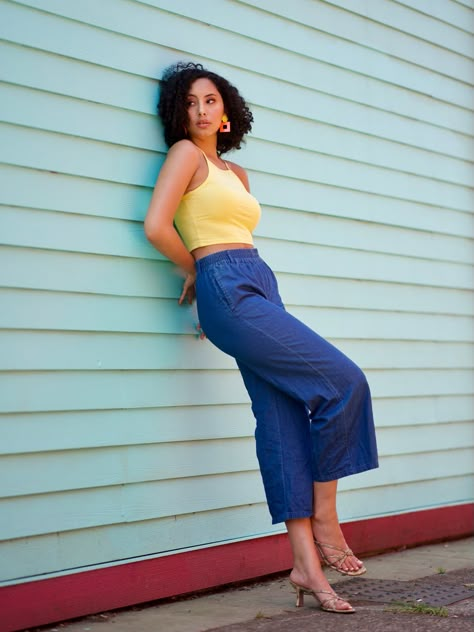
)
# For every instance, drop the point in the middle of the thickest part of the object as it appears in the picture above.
(322, 517)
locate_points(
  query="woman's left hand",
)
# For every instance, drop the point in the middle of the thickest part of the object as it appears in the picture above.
(189, 290)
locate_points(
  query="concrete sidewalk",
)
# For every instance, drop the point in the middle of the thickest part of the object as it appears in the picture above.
(268, 606)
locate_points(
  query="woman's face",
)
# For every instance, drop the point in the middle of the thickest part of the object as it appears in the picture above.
(205, 109)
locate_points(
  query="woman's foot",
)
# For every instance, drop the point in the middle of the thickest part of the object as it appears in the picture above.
(332, 548)
(318, 586)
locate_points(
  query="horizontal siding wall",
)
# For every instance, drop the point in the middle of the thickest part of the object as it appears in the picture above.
(123, 436)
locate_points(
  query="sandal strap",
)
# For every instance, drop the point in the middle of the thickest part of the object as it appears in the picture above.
(338, 559)
(330, 600)
(325, 592)
(335, 548)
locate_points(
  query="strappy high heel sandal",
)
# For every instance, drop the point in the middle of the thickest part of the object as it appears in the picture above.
(339, 560)
(328, 604)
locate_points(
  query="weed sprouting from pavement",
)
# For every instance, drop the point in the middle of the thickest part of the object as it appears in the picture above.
(418, 608)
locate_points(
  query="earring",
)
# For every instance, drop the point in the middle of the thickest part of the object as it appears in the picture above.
(225, 124)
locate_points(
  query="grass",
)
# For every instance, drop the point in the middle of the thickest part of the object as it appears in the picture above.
(418, 608)
(261, 615)
(441, 570)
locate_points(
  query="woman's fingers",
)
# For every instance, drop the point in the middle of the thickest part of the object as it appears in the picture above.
(188, 289)
(202, 335)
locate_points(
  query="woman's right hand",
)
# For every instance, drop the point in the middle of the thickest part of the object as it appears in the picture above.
(189, 291)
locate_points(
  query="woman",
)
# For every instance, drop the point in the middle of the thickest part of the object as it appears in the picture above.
(311, 403)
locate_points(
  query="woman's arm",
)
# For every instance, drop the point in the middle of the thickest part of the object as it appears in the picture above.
(173, 180)
(180, 164)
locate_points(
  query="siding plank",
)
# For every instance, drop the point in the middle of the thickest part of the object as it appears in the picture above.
(26, 147)
(54, 391)
(46, 71)
(417, 467)
(23, 433)
(52, 73)
(139, 21)
(80, 509)
(97, 274)
(80, 117)
(67, 36)
(383, 38)
(75, 312)
(416, 155)
(65, 550)
(24, 350)
(37, 149)
(373, 295)
(116, 389)
(32, 188)
(450, 12)
(77, 469)
(277, 191)
(414, 496)
(407, 20)
(406, 411)
(88, 234)
(77, 117)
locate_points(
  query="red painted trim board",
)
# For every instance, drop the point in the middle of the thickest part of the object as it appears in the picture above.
(60, 598)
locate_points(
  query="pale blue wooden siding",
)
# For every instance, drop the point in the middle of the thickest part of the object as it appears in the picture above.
(122, 435)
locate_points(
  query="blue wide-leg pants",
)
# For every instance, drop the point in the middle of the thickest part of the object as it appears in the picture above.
(311, 403)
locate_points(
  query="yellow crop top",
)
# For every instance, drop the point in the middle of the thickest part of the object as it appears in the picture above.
(218, 211)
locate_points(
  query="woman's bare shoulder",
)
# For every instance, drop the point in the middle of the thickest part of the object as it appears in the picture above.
(240, 171)
(184, 149)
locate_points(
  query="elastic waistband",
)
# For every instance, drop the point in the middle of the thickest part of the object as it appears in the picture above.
(229, 256)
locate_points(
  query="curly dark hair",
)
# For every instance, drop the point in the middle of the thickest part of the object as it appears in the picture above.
(175, 85)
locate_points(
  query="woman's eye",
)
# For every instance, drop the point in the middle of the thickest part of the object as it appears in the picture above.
(211, 101)
(189, 104)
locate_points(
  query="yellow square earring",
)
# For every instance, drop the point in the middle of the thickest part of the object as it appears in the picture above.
(225, 124)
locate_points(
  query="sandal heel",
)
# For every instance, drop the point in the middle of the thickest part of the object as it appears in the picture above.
(328, 604)
(299, 594)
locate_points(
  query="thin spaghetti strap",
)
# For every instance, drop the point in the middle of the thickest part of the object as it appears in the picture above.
(214, 165)
(203, 153)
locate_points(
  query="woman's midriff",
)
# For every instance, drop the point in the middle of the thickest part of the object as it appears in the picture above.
(203, 251)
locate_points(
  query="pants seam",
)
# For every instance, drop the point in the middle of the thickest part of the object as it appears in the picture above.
(288, 349)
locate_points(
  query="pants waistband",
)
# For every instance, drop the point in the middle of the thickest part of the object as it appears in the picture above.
(229, 256)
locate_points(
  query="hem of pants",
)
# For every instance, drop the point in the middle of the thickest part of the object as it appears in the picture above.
(347, 471)
(341, 473)
(291, 516)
